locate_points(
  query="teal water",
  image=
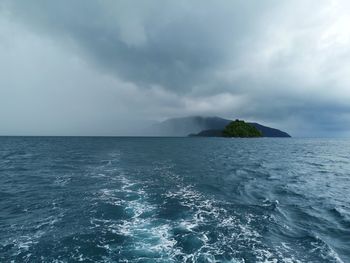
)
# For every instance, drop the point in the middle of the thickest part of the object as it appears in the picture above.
(174, 200)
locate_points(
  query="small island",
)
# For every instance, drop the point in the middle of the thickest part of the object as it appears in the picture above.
(237, 128)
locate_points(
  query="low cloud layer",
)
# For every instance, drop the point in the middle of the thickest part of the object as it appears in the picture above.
(108, 67)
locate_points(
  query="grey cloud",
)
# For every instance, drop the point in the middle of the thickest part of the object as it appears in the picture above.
(177, 45)
(280, 62)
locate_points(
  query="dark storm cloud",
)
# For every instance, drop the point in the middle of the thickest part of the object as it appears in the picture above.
(285, 63)
(173, 44)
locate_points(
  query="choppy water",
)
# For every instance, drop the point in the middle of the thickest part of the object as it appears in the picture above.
(174, 200)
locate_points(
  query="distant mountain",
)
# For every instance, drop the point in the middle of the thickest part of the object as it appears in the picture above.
(207, 125)
(185, 126)
(269, 132)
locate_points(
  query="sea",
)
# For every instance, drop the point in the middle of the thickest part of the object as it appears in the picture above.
(145, 199)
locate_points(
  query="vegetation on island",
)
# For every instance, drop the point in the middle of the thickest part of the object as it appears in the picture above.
(239, 128)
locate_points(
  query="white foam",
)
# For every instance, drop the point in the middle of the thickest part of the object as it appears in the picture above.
(153, 237)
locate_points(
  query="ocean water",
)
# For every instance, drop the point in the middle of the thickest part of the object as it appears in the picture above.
(174, 200)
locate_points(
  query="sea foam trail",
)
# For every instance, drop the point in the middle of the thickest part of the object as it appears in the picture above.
(186, 238)
(147, 237)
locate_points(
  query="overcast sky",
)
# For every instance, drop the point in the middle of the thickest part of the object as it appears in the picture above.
(104, 67)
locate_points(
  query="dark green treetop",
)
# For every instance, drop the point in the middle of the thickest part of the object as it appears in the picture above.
(239, 128)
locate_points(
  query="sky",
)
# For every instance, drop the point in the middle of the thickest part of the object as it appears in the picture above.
(109, 67)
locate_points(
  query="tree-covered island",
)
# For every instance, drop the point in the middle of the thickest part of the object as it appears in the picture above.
(239, 128)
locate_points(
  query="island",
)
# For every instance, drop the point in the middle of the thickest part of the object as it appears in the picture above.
(206, 126)
(237, 128)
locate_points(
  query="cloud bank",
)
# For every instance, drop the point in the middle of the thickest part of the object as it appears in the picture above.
(107, 67)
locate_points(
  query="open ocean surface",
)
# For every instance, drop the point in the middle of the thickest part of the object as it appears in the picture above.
(68, 199)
